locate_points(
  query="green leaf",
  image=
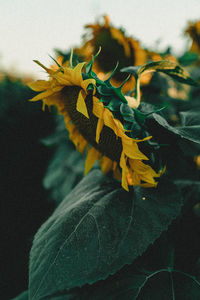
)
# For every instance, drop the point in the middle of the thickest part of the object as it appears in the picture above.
(191, 133)
(96, 230)
(190, 118)
(168, 67)
(160, 284)
(61, 296)
(164, 284)
(65, 170)
(127, 112)
(66, 167)
(131, 70)
(137, 285)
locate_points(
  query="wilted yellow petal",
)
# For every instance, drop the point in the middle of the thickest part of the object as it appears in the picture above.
(92, 156)
(39, 85)
(97, 107)
(43, 95)
(86, 82)
(80, 105)
(132, 151)
(124, 167)
(144, 172)
(106, 164)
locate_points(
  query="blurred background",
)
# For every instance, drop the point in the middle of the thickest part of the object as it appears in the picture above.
(32, 29)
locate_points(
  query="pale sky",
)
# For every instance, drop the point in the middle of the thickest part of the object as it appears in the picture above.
(31, 29)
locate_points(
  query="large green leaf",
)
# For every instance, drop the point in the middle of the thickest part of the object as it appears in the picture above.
(96, 230)
(189, 132)
(154, 275)
(137, 285)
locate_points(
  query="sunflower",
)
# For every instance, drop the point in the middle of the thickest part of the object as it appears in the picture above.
(194, 32)
(116, 46)
(100, 120)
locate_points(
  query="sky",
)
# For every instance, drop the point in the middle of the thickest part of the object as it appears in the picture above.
(32, 29)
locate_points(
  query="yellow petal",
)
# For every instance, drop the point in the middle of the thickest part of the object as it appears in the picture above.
(98, 107)
(124, 167)
(143, 171)
(43, 95)
(106, 164)
(149, 185)
(39, 85)
(77, 75)
(117, 174)
(136, 179)
(132, 151)
(85, 83)
(92, 156)
(63, 79)
(80, 105)
(100, 125)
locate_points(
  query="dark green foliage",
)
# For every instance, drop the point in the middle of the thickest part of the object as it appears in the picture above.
(23, 160)
(66, 167)
(189, 131)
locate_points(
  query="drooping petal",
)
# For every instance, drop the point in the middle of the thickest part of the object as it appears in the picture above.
(86, 82)
(42, 95)
(92, 156)
(123, 165)
(106, 164)
(132, 151)
(80, 105)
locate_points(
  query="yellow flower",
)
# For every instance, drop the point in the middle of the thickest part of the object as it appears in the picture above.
(93, 127)
(116, 46)
(194, 32)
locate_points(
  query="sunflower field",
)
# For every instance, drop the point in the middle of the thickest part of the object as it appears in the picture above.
(100, 173)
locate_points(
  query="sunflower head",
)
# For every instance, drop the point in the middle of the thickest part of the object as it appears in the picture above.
(102, 121)
(116, 47)
(194, 32)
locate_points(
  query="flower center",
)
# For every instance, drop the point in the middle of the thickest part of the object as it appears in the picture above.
(109, 145)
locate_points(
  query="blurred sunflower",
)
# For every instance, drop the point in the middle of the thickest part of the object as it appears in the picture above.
(116, 47)
(194, 31)
(100, 120)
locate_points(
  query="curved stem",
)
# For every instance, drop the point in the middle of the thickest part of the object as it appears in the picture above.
(137, 90)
